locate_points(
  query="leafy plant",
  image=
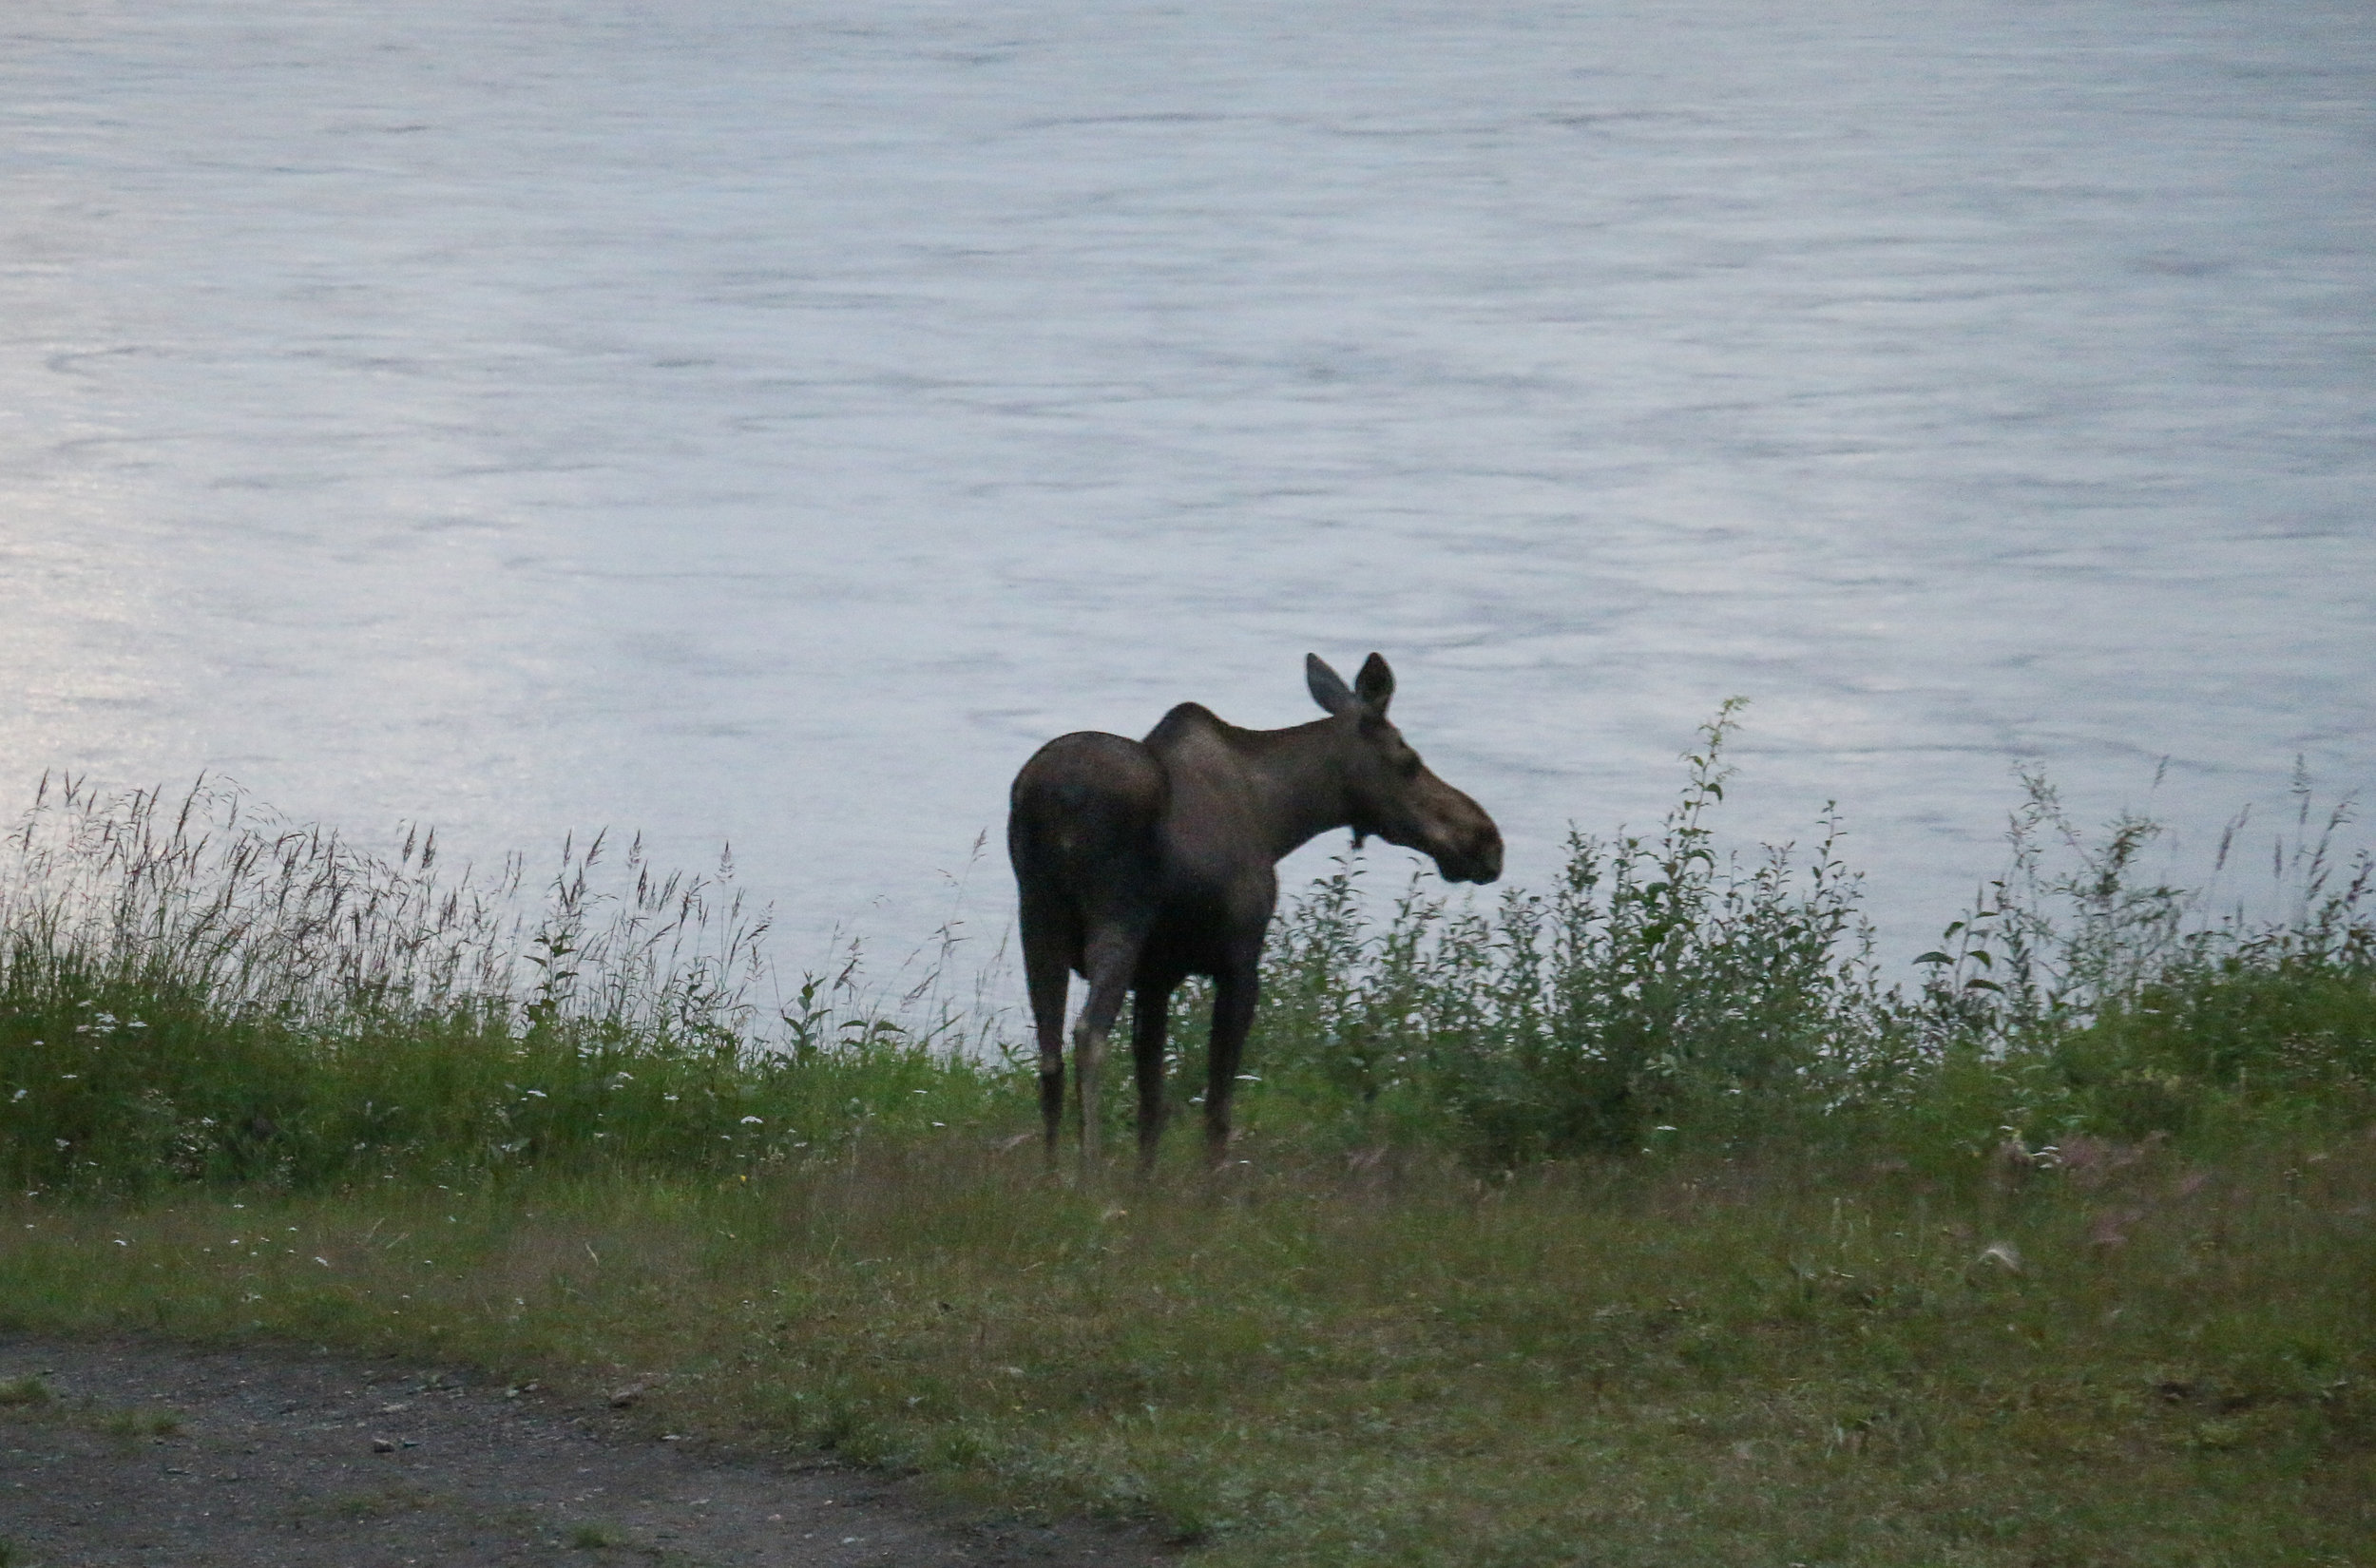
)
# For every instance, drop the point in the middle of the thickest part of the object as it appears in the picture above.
(1661, 984)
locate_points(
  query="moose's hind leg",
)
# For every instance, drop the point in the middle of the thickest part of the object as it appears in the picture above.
(1112, 956)
(1149, 1005)
(1047, 973)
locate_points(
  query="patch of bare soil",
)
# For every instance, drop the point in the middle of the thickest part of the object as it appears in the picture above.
(268, 1457)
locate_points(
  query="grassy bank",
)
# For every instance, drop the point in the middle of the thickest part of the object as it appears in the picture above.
(2128, 1359)
(1634, 1221)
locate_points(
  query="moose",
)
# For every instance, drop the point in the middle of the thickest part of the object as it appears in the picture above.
(1140, 863)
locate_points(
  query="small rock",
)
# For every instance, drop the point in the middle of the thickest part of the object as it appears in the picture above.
(2004, 1254)
(383, 1445)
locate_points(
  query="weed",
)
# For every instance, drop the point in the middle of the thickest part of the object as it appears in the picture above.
(1658, 988)
(25, 1392)
(140, 1423)
(381, 1502)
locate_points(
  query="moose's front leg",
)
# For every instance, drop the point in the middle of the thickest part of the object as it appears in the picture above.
(1235, 992)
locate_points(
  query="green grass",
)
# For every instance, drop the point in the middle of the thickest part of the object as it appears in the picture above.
(382, 1502)
(2132, 1359)
(1634, 1222)
(128, 1425)
(126, 1087)
(24, 1392)
(31, 1397)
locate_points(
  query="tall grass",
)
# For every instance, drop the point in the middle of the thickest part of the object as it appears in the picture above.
(193, 989)
(2080, 999)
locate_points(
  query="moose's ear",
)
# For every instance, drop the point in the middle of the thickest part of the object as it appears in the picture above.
(1328, 687)
(1374, 685)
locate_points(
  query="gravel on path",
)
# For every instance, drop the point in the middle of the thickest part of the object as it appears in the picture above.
(149, 1453)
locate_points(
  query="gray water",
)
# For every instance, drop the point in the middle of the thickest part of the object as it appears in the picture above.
(766, 423)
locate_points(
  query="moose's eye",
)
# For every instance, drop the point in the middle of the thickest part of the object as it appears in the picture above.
(1408, 763)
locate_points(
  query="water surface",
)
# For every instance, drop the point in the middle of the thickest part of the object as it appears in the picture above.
(769, 422)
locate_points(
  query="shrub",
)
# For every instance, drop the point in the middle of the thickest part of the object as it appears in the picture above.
(1659, 986)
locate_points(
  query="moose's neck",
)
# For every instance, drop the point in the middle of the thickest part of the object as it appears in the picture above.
(1300, 780)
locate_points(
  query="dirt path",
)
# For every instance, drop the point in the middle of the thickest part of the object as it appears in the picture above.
(157, 1454)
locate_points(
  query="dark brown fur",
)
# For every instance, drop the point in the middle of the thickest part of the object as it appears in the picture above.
(1142, 862)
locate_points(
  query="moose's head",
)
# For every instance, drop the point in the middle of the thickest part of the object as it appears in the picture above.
(1388, 792)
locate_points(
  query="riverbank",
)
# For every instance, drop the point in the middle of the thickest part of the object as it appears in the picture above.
(1635, 1221)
